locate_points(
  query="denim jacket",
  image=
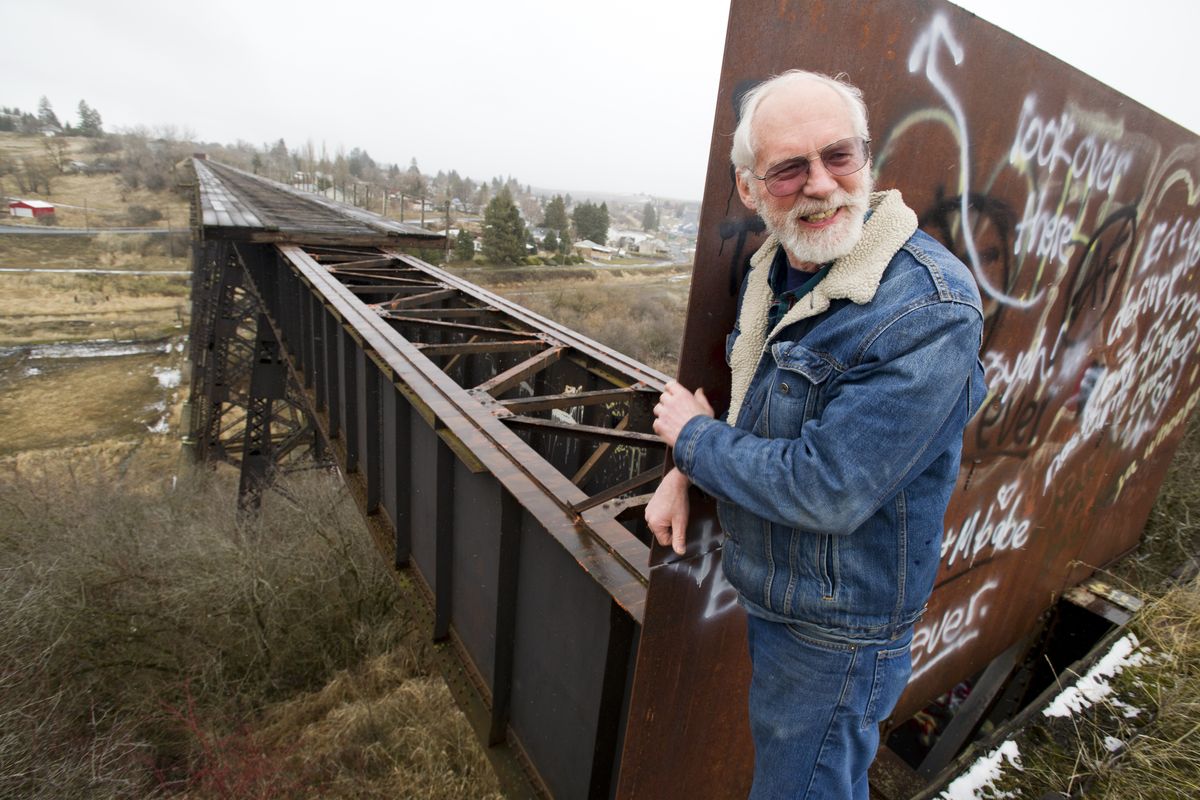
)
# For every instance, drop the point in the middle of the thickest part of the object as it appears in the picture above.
(833, 480)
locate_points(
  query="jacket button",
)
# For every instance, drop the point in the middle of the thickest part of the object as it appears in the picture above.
(783, 387)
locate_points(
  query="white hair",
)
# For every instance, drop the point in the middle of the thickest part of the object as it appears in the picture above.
(742, 152)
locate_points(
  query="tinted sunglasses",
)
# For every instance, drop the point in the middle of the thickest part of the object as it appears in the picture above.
(844, 157)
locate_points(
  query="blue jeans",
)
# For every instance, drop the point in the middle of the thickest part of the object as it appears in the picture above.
(815, 709)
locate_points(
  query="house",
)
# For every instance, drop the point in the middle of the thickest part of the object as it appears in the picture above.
(31, 208)
(626, 239)
(652, 247)
(589, 249)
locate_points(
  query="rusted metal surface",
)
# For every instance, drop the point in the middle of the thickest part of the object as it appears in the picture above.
(689, 735)
(1081, 229)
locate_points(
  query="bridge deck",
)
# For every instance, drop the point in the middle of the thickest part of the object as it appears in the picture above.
(240, 206)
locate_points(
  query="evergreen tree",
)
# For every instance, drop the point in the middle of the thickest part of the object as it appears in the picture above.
(280, 161)
(414, 181)
(360, 163)
(550, 243)
(556, 214)
(46, 114)
(503, 230)
(649, 217)
(90, 123)
(591, 221)
(464, 246)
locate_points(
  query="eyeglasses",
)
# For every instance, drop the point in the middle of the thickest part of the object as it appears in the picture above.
(844, 157)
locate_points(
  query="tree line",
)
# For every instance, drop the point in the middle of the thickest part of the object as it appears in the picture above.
(89, 122)
(507, 240)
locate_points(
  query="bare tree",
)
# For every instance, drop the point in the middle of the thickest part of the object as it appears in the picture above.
(56, 152)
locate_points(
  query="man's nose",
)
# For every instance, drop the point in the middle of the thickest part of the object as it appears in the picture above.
(820, 182)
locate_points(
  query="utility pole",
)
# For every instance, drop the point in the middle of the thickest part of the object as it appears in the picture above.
(446, 257)
(402, 206)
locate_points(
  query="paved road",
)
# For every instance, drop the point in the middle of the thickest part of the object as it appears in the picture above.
(100, 271)
(41, 230)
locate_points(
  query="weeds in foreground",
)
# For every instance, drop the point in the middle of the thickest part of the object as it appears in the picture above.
(145, 635)
(1140, 743)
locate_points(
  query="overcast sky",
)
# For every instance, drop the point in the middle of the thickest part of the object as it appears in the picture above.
(615, 96)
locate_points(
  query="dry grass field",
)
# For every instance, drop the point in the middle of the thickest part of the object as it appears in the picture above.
(638, 311)
(40, 307)
(81, 200)
(63, 402)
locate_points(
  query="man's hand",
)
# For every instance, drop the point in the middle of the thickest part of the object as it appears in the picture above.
(675, 407)
(667, 512)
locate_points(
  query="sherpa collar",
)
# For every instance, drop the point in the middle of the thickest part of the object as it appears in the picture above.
(855, 276)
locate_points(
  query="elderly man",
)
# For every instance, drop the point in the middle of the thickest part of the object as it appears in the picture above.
(854, 369)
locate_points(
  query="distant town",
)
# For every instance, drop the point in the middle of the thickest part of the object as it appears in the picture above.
(500, 220)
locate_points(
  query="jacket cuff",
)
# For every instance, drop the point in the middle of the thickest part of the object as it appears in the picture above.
(688, 439)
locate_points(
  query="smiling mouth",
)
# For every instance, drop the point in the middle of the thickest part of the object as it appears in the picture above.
(820, 216)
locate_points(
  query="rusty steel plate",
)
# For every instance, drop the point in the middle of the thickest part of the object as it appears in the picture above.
(1077, 210)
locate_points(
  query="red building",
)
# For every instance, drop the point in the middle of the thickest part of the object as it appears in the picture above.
(30, 208)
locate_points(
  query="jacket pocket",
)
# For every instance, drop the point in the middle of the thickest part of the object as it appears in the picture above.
(797, 358)
(794, 396)
(827, 565)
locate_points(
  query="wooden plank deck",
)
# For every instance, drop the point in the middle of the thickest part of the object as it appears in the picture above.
(244, 206)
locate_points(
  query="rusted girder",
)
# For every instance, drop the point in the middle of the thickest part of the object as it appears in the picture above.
(505, 521)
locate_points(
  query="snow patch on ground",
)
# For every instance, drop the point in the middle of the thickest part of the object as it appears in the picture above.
(168, 378)
(97, 348)
(982, 775)
(1096, 684)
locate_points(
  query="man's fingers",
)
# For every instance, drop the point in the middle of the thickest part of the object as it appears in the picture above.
(671, 535)
(678, 533)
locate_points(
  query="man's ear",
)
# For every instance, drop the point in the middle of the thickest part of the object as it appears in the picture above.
(743, 187)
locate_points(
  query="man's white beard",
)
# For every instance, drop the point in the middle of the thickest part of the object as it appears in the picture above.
(820, 246)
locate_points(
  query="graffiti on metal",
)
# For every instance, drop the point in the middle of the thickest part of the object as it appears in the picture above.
(1078, 212)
